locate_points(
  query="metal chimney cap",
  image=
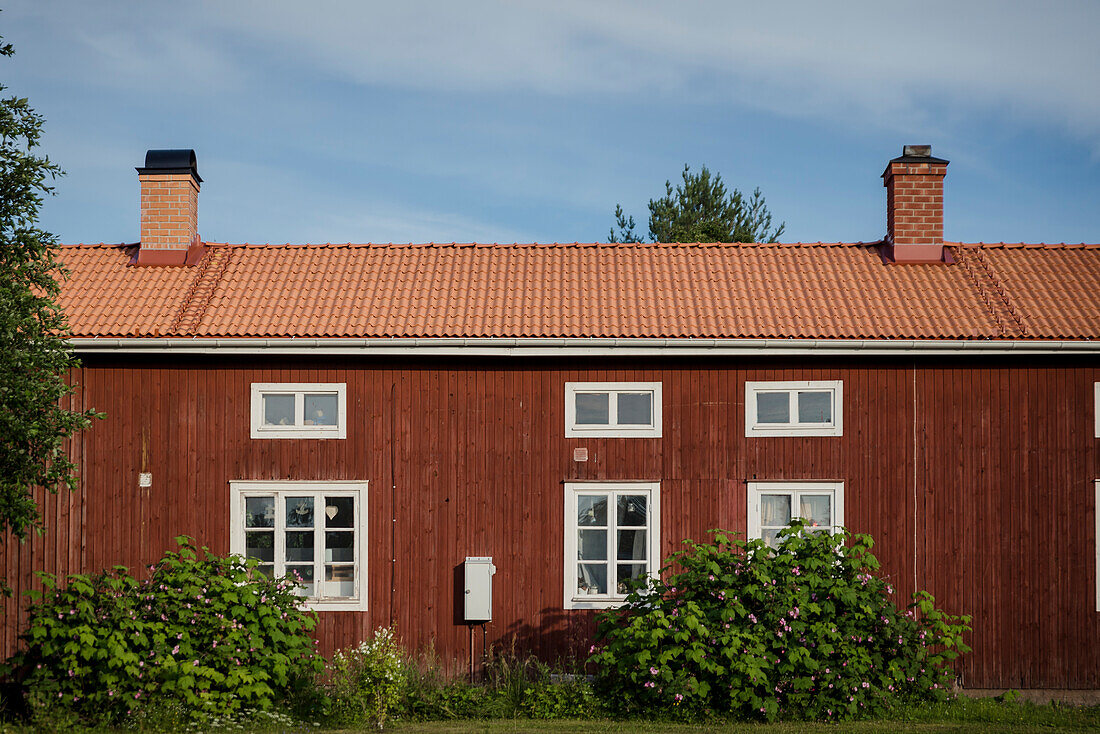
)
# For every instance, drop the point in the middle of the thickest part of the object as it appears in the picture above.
(171, 161)
(917, 151)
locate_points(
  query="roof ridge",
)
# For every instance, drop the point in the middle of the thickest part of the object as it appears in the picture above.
(532, 245)
(1025, 245)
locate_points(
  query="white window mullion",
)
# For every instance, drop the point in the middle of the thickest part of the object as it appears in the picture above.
(612, 546)
(279, 546)
(319, 519)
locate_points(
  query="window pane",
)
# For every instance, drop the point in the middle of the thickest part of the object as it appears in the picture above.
(299, 512)
(592, 510)
(259, 512)
(815, 407)
(625, 573)
(260, 545)
(592, 545)
(339, 546)
(593, 409)
(592, 578)
(816, 509)
(635, 409)
(320, 409)
(773, 407)
(266, 571)
(305, 575)
(278, 410)
(775, 509)
(339, 512)
(632, 510)
(631, 545)
(339, 581)
(299, 545)
(770, 538)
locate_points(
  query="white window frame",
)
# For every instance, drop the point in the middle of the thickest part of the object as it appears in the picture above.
(612, 429)
(239, 490)
(573, 600)
(794, 428)
(757, 488)
(1096, 409)
(299, 391)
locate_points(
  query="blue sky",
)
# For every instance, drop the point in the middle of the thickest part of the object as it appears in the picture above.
(513, 121)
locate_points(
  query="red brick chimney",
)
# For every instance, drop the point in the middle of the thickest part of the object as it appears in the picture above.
(914, 206)
(169, 209)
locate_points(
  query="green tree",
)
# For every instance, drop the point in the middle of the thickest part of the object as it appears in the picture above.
(34, 356)
(701, 210)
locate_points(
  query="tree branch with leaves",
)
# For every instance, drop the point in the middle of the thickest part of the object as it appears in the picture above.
(35, 358)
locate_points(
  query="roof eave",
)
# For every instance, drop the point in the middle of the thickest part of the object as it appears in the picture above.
(595, 347)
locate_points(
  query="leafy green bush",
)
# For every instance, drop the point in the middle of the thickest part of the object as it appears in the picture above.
(368, 680)
(204, 635)
(805, 631)
(572, 697)
(515, 686)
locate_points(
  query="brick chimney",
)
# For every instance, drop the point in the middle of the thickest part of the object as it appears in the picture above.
(169, 209)
(914, 207)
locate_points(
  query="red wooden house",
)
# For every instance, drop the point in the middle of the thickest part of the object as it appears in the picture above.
(371, 415)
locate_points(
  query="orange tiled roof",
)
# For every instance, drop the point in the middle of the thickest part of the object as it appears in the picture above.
(822, 290)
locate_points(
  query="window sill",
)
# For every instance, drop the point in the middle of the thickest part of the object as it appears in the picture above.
(584, 603)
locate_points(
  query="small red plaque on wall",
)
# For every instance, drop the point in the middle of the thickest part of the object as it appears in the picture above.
(580, 454)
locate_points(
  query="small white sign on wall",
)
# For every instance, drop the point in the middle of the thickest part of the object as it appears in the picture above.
(145, 479)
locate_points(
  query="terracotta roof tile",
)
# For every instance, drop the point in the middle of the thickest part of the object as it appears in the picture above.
(805, 290)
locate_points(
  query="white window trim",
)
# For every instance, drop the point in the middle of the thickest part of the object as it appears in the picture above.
(653, 539)
(758, 488)
(241, 489)
(299, 430)
(572, 430)
(1096, 410)
(754, 429)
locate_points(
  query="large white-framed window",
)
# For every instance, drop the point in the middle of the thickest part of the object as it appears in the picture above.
(299, 410)
(613, 409)
(772, 506)
(612, 535)
(794, 408)
(317, 530)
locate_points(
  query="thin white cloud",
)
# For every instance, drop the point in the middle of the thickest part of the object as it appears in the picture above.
(890, 64)
(883, 61)
(321, 214)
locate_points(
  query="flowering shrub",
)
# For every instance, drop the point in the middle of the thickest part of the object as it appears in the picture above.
(805, 631)
(368, 680)
(204, 631)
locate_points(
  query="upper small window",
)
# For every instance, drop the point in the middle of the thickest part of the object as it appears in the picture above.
(299, 410)
(794, 408)
(613, 409)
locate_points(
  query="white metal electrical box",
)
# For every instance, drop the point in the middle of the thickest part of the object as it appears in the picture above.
(479, 588)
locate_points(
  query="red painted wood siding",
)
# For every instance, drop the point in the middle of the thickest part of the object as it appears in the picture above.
(974, 477)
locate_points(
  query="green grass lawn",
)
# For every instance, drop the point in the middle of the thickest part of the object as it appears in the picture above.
(964, 715)
(960, 716)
